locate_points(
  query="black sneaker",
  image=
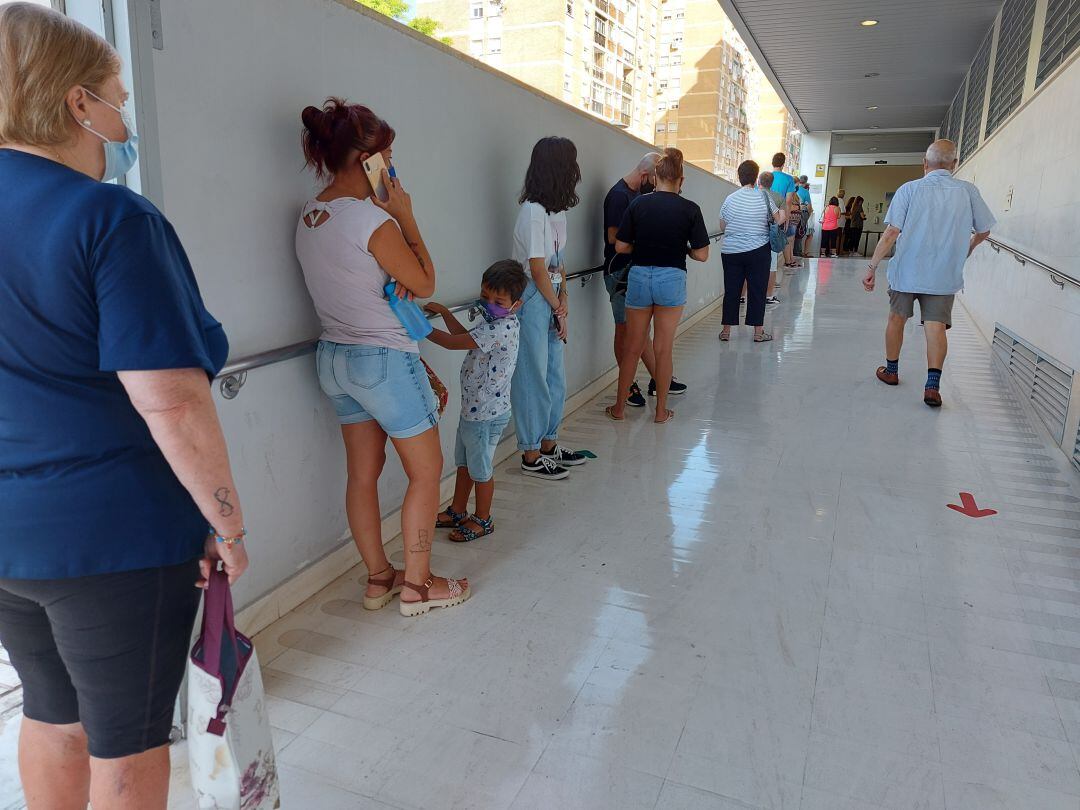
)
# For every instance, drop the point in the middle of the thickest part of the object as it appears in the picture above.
(563, 457)
(636, 398)
(675, 389)
(544, 467)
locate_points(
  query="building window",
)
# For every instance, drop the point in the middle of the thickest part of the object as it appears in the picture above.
(661, 106)
(679, 15)
(676, 59)
(476, 11)
(476, 47)
(495, 10)
(674, 105)
(661, 128)
(569, 8)
(495, 45)
(673, 127)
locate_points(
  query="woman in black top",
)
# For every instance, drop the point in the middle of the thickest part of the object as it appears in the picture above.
(659, 231)
(856, 218)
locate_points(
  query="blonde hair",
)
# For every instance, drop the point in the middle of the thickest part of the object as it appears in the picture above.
(43, 54)
(669, 166)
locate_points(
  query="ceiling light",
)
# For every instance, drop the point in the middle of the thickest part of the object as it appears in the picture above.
(868, 23)
(873, 148)
(872, 107)
(875, 126)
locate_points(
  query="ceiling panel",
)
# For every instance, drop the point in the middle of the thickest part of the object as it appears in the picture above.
(860, 143)
(820, 55)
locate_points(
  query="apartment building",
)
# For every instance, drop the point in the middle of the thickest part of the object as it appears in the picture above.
(702, 87)
(772, 127)
(599, 55)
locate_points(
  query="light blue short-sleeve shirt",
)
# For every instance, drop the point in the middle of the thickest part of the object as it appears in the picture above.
(783, 184)
(936, 216)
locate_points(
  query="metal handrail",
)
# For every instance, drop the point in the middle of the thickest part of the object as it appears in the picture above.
(1057, 277)
(233, 376)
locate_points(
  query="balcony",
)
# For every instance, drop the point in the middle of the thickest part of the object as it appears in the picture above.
(627, 88)
(599, 39)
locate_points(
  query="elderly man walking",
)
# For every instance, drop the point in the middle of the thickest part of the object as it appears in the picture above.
(935, 223)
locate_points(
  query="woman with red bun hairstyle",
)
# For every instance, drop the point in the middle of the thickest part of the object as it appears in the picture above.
(351, 244)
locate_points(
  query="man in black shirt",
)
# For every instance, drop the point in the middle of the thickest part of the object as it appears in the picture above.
(641, 180)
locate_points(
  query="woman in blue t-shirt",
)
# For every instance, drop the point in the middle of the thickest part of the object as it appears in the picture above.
(112, 460)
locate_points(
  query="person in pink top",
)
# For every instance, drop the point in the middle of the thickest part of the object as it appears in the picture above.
(830, 228)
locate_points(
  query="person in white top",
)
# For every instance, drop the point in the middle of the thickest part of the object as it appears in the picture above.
(351, 244)
(539, 390)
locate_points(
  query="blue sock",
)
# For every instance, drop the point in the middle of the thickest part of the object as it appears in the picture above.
(933, 378)
(893, 366)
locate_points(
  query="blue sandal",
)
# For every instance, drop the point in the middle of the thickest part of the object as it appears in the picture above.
(455, 519)
(464, 535)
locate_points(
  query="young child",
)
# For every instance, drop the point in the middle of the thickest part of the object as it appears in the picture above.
(485, 394)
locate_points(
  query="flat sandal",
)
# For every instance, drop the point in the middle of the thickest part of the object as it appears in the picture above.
(392, 590)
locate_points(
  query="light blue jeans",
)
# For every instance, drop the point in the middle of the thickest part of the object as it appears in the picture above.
(538, 390)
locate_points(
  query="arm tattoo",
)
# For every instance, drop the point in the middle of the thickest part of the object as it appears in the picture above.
(415, 248)
(221, 495)
(423, 542)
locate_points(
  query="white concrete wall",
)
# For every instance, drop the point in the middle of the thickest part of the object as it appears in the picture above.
(229, 88)
(1034, 154)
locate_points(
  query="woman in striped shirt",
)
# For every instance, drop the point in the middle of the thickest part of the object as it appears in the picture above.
(744, 219)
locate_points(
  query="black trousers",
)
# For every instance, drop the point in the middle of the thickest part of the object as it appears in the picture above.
(854, 236)
(751, 267)
(830, 240)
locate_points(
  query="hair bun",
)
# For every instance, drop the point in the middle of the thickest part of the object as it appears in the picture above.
(314, 121)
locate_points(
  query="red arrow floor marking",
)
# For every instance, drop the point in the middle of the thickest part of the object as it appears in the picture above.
(970, 508)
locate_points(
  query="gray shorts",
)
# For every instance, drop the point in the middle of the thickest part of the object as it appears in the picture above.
(934, 308)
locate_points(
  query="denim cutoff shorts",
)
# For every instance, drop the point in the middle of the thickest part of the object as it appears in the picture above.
(374, 382)
(618, 298)
(655, 287)
(475, 446)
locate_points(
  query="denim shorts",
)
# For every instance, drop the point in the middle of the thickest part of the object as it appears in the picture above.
(655, 287)
(374, 382)
(618, 299)
(475, 446)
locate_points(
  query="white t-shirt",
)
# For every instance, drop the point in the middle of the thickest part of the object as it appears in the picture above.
(488, 369)
(344, 279)
(540, 235)
(842, 220)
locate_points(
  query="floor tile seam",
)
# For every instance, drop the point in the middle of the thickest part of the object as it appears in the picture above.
(821, 644)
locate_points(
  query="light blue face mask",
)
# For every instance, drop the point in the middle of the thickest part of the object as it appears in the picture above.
(120, 156)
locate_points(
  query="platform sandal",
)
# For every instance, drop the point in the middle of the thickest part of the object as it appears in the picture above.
(455, 519)
(464, 535)
(392, 590)
(458, 594)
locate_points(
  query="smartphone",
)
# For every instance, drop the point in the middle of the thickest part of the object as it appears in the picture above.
(373, 168)
(556, 324)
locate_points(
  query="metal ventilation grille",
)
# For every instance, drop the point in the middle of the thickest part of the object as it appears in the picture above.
(1076, 452)
(1061, 36)
(1010, 64)
(1043, 380)
(950, 127)
(973, 107)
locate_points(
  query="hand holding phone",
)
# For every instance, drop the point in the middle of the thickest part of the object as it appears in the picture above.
(374, 167)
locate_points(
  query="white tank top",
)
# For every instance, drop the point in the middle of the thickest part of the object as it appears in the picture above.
(344, 279)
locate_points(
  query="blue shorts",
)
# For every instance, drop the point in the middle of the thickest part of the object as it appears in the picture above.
(792, 230)
(374, 382)
(655, 287)
(475, 446)
(618, 299)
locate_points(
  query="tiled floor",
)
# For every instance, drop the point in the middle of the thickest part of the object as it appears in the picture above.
(763, 604)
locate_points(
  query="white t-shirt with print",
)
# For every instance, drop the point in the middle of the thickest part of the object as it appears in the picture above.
(540, 235)
(487, 370)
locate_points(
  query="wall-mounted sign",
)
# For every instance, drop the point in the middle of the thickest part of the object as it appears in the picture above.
(819, 171)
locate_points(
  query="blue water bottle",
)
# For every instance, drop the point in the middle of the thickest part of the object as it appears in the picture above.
(409, 313)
